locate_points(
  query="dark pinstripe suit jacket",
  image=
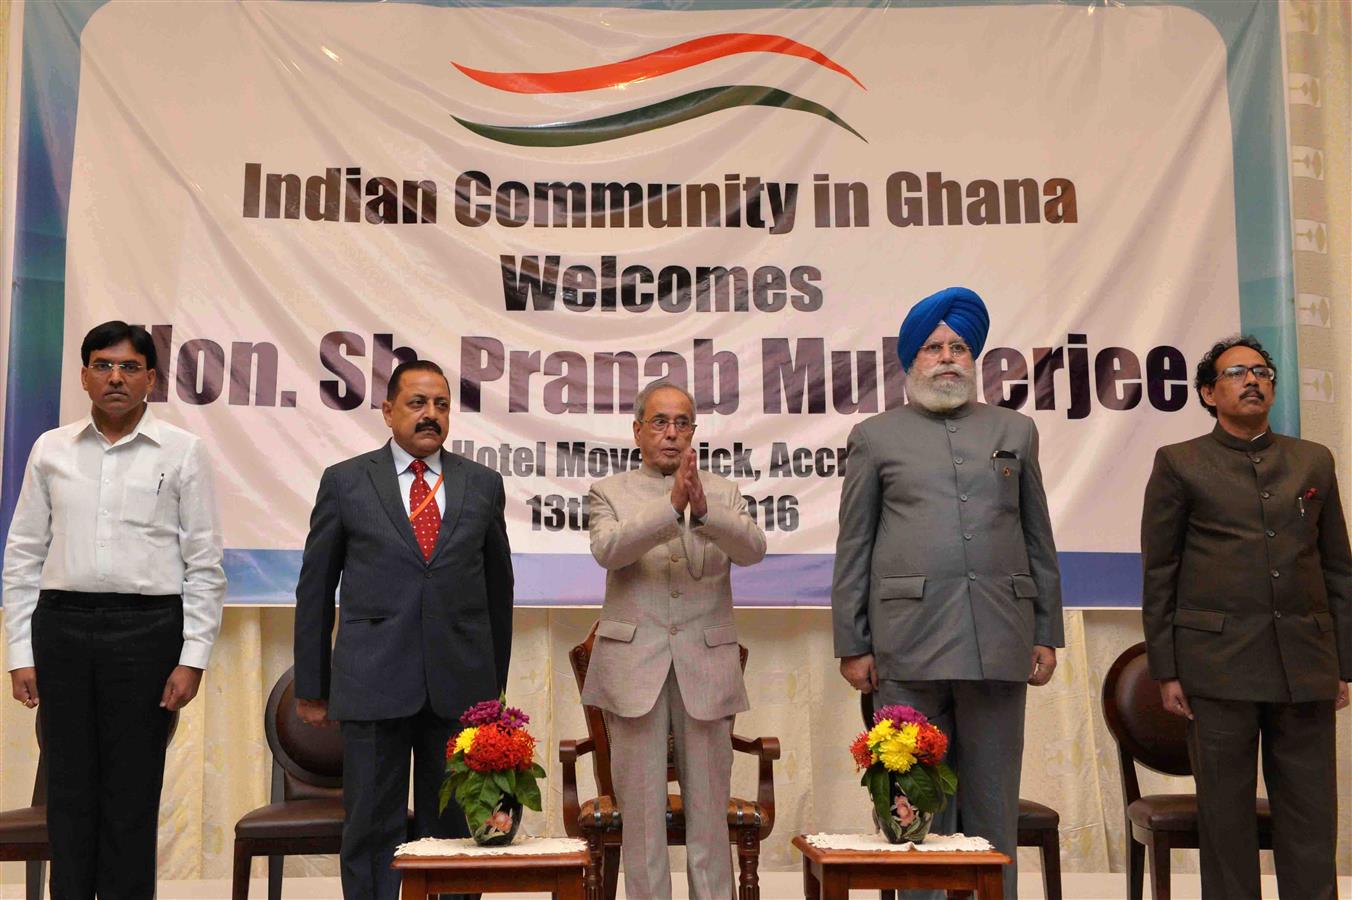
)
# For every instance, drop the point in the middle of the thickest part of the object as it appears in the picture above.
(411, 630)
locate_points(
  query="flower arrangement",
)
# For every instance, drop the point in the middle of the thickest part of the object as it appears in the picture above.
(902, 758)
(491, 770)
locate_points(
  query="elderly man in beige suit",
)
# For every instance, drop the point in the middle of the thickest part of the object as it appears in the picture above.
(666, 655)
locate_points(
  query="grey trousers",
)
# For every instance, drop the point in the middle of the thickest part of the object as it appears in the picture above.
(1299, 767)
(638, 767)
(984, 724)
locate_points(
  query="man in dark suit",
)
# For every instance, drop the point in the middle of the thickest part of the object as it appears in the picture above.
(419, 540)
(1248, 626)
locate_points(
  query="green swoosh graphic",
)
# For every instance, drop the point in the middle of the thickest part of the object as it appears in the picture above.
(652, 117)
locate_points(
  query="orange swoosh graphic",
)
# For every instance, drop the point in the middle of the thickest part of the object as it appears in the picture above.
(652, 65)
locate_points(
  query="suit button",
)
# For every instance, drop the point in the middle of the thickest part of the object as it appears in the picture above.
(957, 460)
(1276, 574)
(966, 535)
(1266, 494)
(674, 629)
(952, 428)
(675, 593)
(675, 559)
(962, 497)
(1277, 614)
(1271, 533)
(1257, 459)
(971, 576)
(427, 574)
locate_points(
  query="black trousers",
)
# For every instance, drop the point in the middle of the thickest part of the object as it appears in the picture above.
(375, 794)
(1299, 768)
(102, 661)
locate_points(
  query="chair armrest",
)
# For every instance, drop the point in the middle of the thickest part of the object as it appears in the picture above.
(766, 749)
(569, 751)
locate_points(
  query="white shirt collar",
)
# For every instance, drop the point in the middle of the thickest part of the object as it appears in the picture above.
(148, 427)
(403, 459)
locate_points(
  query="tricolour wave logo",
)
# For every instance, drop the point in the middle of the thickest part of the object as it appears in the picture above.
(658, 115)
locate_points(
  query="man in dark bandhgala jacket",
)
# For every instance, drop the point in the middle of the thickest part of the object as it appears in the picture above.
(1248, 625)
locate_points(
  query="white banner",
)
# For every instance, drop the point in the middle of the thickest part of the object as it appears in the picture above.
(560, 204)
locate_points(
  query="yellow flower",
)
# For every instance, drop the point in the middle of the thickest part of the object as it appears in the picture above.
(880, 732)
(897, 751)
(464, 739)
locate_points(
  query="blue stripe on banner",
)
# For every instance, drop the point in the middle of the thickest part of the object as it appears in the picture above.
(268, 578)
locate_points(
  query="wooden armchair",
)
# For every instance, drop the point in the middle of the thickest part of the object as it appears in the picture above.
(598, 821)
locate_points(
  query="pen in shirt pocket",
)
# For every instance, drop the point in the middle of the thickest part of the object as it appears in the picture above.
(161, 484)
(1309, 494)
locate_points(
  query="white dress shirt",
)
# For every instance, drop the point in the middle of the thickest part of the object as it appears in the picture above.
(402, 460)
(133, 517)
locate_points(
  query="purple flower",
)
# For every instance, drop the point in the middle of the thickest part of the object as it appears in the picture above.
(485, 713)
(514, 718)
(900, 715)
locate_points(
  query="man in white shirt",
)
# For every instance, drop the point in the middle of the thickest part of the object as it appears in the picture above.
(113, 589)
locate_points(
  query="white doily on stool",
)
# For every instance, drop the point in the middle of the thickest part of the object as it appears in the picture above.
(945, 843)
(522, 846)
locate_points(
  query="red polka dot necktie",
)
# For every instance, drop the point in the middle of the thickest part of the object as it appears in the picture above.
(427, 523)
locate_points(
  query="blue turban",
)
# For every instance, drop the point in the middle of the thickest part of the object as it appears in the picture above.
(960, 307)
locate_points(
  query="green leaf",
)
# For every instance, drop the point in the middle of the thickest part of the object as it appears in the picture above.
(528, 793)
(444, 796)
(476, 814)
(506, 781)
(536, 770)
(490, 793)
(465, 790)
(920, 789)
(880, 789)
(938, 785)
(948, 778)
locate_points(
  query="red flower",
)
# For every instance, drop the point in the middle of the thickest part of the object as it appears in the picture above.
(525, 749)
(930, 745)
(859, 750)
(497, 749)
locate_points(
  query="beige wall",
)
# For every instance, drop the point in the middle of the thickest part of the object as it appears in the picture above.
(219, 763)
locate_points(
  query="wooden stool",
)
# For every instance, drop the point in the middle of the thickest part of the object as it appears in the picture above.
(562, 874)
(832, 874)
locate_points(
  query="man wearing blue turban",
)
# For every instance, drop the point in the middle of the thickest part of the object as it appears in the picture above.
(957, 307)
(946, 594)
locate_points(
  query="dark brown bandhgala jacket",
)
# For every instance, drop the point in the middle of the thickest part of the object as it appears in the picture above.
(1248, 576)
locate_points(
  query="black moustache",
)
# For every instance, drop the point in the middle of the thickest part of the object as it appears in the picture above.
(428, 425)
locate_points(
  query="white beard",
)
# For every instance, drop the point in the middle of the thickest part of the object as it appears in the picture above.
(941, 395)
